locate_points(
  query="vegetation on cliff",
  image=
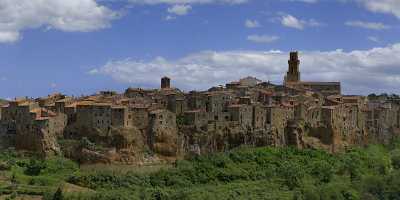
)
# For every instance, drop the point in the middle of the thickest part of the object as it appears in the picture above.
(245, 173)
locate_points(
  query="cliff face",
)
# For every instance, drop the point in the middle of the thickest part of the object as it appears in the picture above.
(197, 142)
(42, 142)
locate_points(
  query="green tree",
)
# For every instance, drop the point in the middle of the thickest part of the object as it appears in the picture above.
(395, 157)
(293, 173)
(35, 167)
(323, 171)
(58, 195)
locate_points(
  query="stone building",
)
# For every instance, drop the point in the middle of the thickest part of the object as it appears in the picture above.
(292, 79)
(243, 114)
(196, 118)
(172, 123)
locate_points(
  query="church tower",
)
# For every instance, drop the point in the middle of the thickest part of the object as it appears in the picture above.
(293, 74)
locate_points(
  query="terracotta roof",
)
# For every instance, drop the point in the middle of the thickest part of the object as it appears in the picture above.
(42, 113)
(27, 103)
(72, 105)
(319, 83)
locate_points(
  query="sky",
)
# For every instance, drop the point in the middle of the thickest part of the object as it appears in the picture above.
(82, 46)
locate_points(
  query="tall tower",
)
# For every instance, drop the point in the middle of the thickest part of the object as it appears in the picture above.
(165, 82)
(293, 74)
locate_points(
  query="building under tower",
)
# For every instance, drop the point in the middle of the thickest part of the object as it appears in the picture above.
(292, 79)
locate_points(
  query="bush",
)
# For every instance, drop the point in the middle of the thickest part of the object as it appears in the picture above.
(395, 157)
(258, 173)
(58, 195)
(35, 167)
(4, 166)
(323, 171)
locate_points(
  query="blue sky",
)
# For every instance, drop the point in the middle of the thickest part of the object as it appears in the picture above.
(82, 46)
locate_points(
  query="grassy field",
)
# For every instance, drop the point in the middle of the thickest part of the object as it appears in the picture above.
(99, 168)
(245, 173)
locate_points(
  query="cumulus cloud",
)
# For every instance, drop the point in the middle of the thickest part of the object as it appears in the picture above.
(374, 39)
(71, 15)
(360, 71)
(174, 2)
(382, 6)
(367, 25)
(293, 22)
(179, 9)
(252, 23)
(169, 18)
(305, 1)
(262, 38)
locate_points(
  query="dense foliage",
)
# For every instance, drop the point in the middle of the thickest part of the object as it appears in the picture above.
(263, 173)
(247, 173)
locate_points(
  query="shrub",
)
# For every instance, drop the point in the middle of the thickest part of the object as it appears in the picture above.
(395, 157)
(58, 195)
(35, 167)
(4, 166)
(323, 171)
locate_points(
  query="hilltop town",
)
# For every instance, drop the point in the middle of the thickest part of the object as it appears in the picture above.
(144, 125)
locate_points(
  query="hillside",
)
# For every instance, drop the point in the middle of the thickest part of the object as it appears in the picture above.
(244, 173)
(3, 101)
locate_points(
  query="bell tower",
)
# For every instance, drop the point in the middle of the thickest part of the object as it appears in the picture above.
(165, 82)
(293, 74)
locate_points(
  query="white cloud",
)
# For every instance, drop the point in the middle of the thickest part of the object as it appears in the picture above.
(174, 2)
(252, 23)
(64, 15)
(361, 71)
(382, 6)
(9, 36)
(179, 9)
(305, 1)
(368, 25)
(169, 18)
(262, 38)
(374, 39)
(292, 22)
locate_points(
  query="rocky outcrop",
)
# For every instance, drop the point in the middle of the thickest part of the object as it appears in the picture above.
(164, 141)
(42, 142)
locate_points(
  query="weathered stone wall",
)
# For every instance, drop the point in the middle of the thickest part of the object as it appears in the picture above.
(162, 136)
